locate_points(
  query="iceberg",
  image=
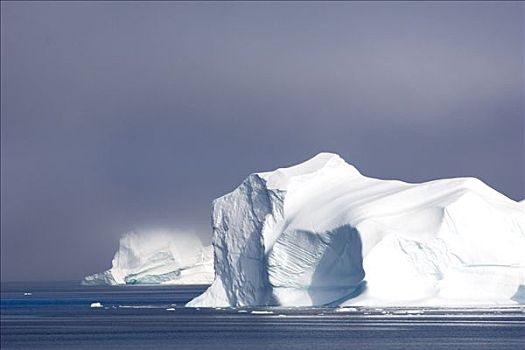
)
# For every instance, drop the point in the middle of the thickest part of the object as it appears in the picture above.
(321, 233)
(158, 258)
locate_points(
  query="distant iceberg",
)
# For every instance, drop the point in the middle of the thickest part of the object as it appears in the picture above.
(321, 233)
(158, 258)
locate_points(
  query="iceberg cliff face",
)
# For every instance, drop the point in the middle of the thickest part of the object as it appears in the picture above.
(158, 258)
(321, 233)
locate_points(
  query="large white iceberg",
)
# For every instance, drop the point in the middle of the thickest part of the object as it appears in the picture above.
(159, 257)
(321, 233)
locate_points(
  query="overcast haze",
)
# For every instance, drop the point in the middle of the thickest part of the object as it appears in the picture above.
(118, 116)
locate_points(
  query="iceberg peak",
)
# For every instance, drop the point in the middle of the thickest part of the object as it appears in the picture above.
(324, 161)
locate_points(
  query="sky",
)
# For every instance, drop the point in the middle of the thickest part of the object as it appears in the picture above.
(126, 116)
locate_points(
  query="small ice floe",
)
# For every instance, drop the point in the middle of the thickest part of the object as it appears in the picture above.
(346, 309)
(170, 309)
(261, 312)
(28, 293)
(242, 311)
(281, 315)
(414, 312)
(138, 307)
(96, 305)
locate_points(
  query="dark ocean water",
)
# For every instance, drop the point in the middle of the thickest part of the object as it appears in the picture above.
(58, 315)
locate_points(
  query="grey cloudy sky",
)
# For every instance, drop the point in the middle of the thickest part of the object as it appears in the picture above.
(118, 116)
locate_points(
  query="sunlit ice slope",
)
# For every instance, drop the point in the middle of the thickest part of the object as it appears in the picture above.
(321, 233)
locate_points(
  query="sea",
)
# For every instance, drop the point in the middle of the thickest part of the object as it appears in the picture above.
(67, 315)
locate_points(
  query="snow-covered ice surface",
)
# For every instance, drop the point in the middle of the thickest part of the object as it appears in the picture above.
(158, 258)
(321, 233)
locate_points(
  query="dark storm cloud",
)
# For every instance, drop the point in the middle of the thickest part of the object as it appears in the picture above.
(118, 116)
